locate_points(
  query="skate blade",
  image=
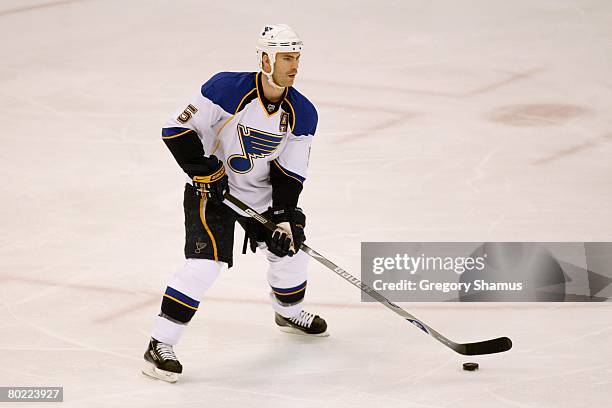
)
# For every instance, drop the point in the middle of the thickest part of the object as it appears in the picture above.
(151, 371)
(291, 330)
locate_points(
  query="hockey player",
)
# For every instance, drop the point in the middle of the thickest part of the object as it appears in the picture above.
(248, 133)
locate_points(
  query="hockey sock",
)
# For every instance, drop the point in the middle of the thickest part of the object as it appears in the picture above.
(290, 296)
(182, 297)
(287, 278)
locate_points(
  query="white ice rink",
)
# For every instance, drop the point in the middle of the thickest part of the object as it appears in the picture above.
(439, 121)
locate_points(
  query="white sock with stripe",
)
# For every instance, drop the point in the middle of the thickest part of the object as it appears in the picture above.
(192, 279)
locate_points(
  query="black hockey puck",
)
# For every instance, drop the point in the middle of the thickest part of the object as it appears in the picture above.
(470, 366)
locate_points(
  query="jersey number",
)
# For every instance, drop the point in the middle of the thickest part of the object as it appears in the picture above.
(187, 113)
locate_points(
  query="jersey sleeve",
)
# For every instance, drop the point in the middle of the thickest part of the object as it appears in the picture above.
(189, 134)
(288, 172)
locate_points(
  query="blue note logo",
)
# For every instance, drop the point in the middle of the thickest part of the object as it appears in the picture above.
(255, 145)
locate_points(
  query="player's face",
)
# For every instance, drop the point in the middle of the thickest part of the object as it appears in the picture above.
(286, 68)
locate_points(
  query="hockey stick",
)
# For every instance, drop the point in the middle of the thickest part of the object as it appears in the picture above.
(497, 345)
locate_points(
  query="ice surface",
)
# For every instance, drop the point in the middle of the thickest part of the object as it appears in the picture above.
(439, 120)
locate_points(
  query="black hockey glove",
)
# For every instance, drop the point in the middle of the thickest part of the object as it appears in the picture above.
(253, 234)
(210, 181)
(289, 236)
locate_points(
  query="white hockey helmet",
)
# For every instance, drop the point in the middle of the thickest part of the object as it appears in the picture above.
(275, 38)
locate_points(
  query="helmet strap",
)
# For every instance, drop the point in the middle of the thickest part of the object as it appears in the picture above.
(269, 75)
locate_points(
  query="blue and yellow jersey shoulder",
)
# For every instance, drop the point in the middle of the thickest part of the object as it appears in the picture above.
(229, 90)
(304, 113)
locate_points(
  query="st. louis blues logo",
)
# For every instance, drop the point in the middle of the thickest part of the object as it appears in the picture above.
(255, 145)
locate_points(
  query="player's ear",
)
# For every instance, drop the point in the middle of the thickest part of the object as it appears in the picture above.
(265, 62)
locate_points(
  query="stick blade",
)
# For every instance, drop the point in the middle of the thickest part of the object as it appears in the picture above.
(492, 346)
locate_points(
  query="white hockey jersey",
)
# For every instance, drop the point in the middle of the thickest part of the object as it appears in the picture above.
(231, 118)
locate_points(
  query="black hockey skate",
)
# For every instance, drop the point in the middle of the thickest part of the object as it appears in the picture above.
(305, 323)
(161, 362)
